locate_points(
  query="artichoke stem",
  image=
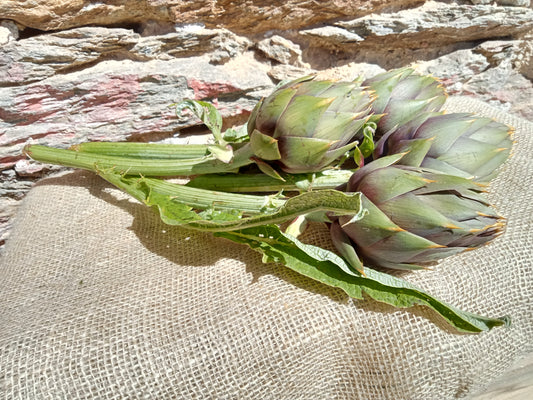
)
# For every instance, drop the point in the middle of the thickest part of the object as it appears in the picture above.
(144, 150)
(243, 183)
(138, 166)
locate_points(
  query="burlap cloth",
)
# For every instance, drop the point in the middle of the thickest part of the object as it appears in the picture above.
(100, 300)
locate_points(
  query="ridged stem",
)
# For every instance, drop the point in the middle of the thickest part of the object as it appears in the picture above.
(144, 150)
(138, 166)
(199, 199)
(243, 183)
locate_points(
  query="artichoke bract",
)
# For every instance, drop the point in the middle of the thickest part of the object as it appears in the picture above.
(414, 217)
(403, 93)
(457, 144)
(306, 125)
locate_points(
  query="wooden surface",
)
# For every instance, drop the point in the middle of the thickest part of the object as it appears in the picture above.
(516, 384)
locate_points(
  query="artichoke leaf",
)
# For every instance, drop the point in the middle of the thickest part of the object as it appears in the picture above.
(300, 152)
(222, 153)
(303, 116)
(326, 267)
(206, 112)
(267, 169)
(264, 146)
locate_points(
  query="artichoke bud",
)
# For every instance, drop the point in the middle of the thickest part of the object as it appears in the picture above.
(416, 217)
(456, 144)
(306, 125)
(402, 95)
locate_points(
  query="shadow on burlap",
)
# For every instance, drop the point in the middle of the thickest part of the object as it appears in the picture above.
(100, 300)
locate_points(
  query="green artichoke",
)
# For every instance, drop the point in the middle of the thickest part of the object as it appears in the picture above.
(415, 217)
(456, 144)
(401, 94)
(306, 125)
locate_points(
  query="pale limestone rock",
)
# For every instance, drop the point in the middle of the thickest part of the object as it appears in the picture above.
(8, 31)
(282, 50)
(5, 35)
(503, 86)
(519, 53)
(459, 66)
(351, 72)
(469, 72)
(283, 72)
(422, 33)
(226, 46)
(433, 24)
(440, 23)
(516, 3)
(38, 57)
(333, 34)
(253, 16)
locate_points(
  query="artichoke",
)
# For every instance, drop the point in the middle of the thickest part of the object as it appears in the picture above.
(401, 94)
(306, 125)
(414, 217)
(456, 144)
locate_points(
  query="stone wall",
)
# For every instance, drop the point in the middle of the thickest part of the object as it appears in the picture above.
(78, 70)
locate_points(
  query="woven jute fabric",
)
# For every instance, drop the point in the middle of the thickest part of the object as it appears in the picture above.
(101, 300)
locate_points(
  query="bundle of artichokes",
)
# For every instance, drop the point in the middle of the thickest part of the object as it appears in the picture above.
(421, 171)
(399, 181)
(422, 187)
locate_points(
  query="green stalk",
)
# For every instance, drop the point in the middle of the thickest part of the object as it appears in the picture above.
(138, 166)
(144, 150)
(205, 199)
(242, 183)
(199, 199)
